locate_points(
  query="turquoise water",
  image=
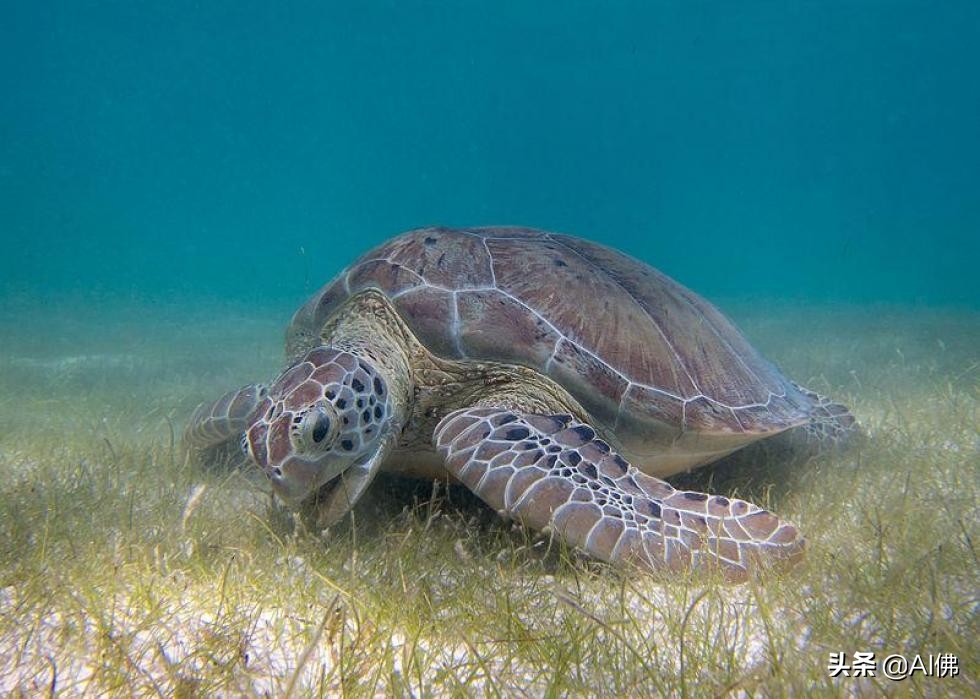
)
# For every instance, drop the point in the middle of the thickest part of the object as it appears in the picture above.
(176, 177)
(807, 151)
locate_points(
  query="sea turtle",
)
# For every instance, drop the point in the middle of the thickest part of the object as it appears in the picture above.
(556, 378)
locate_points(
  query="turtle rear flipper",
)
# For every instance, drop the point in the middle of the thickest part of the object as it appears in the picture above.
(831, 423)
(552, 473)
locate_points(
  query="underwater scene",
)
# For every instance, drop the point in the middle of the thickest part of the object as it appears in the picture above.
(489, 349)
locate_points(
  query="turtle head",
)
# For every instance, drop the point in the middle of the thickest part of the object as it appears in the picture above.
(324, 415)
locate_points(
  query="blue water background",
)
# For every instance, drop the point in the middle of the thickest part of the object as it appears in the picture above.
(810, 151)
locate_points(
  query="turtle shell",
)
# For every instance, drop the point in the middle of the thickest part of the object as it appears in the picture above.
(659, 368)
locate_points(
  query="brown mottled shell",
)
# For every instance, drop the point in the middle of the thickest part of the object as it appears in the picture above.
(642, 353)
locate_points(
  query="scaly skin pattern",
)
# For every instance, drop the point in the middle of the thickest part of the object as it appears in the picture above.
(830, 422)
(551, 472)
(225, 419)
(324, 413)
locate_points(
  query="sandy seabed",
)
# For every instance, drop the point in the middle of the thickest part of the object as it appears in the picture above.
(128, 570)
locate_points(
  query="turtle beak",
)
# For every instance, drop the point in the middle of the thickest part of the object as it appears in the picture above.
(296, 479)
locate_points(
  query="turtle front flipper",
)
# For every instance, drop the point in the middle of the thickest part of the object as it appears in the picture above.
(224, 420)
(552, 473)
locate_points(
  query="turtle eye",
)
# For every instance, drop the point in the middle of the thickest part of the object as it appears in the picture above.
(321, 427)
(318, 428)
